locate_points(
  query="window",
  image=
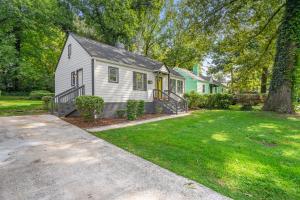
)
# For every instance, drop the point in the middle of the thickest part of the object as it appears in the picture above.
(139, 81)
(69, 50)
(113, 75)
(179, 87)
(203, 88)
(173, 85)
(73, 78)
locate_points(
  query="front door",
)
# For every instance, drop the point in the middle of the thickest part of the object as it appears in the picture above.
(159, 86)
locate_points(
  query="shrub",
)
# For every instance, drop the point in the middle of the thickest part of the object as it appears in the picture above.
(210, 101)
(89, 106)
(158, 109)
(46, 100)
(38, 94)
(140, 108)
(247, 100)
(195, 100)
(132, 106)
(220, 101)
(121, 113)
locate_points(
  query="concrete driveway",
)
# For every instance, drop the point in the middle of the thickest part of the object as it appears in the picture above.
(43, 157)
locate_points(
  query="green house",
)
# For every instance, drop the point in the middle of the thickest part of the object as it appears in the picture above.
(196, 82)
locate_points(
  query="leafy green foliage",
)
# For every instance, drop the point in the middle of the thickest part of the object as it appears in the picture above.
(31, 39)
(158, 109)
(210, 101)
(195, 100)
(38, 94)
(248, 100)
(297, 79)
(140, 108)
(46, 100)
(89, 106)
(121, 113)
(132, 108)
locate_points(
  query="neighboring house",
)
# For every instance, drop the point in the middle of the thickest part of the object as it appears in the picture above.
(88, 67)
(194, 81)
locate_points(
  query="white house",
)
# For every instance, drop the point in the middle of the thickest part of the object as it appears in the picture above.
(116, 75)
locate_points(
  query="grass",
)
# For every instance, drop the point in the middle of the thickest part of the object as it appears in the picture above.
(19, 105)
(243, 155)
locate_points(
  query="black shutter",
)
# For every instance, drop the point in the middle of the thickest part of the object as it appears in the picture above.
(145, 82)
(134, 80)
(72, 78)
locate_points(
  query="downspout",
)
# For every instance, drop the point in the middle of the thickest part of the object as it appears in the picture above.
(93, 77)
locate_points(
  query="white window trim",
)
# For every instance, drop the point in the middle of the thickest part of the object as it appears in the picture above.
(117, 75)
(144, 84)
(179, 92)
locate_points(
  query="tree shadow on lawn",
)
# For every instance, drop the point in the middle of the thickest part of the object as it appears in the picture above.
(245, 155)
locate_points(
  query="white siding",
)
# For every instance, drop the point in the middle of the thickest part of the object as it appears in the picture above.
(122, 91)
(79, 59)
(164, 69)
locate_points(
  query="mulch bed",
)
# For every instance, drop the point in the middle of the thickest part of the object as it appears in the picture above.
(78, 121)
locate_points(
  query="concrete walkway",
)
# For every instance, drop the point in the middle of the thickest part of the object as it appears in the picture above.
(43, 157)
(133, 123)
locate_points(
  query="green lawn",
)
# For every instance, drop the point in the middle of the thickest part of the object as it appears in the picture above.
(10, 105)
(243, 155)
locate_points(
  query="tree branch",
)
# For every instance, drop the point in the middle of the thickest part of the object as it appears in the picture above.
(269, 21)
(262, 55)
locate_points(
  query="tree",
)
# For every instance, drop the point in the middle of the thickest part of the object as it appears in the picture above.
(261, 18)
(180, 43)
(282, 84)
(31, 40)
(113, 21)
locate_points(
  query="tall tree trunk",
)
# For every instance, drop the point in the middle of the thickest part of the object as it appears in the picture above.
(263, 80)
(281, 86)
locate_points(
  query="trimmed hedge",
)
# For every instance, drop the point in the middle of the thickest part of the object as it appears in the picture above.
(135, 109)
(132, 106)
(140, 108)
(209, 101)
(89, 106)
(38, 94)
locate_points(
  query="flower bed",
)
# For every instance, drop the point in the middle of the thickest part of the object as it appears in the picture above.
(80, 122)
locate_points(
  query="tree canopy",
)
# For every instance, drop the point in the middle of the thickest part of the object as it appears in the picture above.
(244, 39)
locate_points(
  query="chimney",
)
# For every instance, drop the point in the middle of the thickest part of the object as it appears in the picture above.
(196, 70)
(119, 45)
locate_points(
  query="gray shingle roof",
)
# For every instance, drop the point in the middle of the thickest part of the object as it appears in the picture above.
(104, 51)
